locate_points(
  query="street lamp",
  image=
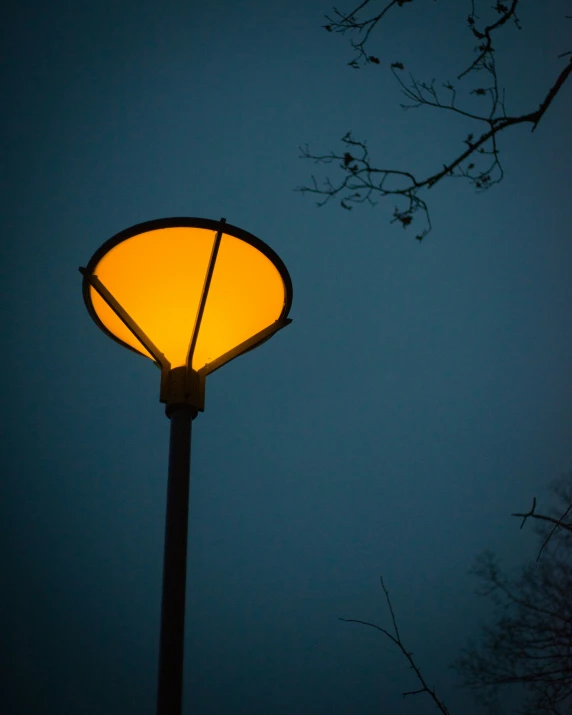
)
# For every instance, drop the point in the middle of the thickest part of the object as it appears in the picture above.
(191, 294)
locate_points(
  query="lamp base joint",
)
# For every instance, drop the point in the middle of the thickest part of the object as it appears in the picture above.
(182, 386)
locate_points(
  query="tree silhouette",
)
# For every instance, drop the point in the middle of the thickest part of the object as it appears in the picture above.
(478, 161)
(529, 643)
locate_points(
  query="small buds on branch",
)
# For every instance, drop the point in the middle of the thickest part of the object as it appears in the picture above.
(478, 161)
(362, 182)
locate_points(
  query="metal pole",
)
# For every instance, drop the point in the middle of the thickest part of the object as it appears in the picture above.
(170, 689)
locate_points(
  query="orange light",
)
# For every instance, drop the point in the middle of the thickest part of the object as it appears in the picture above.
(158, 274)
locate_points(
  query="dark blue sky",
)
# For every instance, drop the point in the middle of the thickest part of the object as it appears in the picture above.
(420, 396)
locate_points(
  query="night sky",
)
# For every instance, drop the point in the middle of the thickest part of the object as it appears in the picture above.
(421, 394)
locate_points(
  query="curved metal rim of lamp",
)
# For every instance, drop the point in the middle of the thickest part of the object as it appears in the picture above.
(187, 222)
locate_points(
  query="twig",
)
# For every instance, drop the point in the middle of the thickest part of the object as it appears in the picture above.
(399, 643)
(363, 181)
(542, 517)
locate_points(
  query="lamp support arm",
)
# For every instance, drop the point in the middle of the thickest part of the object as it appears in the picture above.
(160, 360)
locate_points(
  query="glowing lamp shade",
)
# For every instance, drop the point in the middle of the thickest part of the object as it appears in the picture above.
(199, 290)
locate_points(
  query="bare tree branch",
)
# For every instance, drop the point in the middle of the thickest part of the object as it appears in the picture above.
(559, 523)
(486, 47)
(396, 639)
(343, 23)
(543, 517)
(530, 641)
(478, 162)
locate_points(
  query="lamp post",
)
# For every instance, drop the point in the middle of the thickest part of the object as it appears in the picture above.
(191, 294)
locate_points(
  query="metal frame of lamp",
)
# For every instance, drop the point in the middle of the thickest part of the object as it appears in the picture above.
(188, 385)
(182, 387)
